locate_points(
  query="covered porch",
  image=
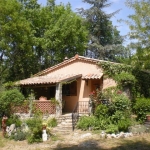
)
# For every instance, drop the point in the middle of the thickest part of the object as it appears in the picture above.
(68, 90)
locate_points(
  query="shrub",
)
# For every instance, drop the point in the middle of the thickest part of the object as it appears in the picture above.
(117, 116)
(121, 102)
(85, 122)
(112, 128)
(101, 123)
(19, 136)
(52, 122)
(14, 119)
(123, 125)
(35, 126)
(141, 107)
(101, 111)
(9, 99)
(125, 78)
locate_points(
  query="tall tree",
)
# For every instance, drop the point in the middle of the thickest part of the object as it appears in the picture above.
(34, 37)
(139, 24)
(65, 34)
(105, 41)
(15, 39)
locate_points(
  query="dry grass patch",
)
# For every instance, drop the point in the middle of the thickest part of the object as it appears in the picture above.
(73, 141)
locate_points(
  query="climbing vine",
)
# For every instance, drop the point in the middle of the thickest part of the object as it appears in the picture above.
(121, 73)
(112, 69)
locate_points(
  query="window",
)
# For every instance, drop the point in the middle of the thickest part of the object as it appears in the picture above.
(70, 89)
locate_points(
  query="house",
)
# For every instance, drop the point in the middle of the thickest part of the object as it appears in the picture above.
(69, 82)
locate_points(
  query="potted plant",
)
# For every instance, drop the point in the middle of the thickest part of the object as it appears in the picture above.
(148, 116)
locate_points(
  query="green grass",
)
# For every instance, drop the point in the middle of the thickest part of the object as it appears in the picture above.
(3, 141)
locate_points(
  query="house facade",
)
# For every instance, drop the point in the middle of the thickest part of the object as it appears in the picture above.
(69, 82)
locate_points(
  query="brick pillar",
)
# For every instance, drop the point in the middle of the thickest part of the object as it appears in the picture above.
(58, 97)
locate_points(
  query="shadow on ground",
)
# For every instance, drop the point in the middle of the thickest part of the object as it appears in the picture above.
(96, 145)
(133, 145)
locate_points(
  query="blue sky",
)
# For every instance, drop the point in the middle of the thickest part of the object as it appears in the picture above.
(116, 5)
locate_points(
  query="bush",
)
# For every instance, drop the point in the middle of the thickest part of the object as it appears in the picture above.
(123, 125)
(9, 99)
(13, 119)
(35, 129)
(85, 122)
(121, 102)
(19, 136)
(141, 107)
(101, 111)
(52, 122)
(117, 116)
(101, 123)
(112, 128)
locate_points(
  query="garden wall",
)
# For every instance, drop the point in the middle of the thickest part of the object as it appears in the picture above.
(45, 106)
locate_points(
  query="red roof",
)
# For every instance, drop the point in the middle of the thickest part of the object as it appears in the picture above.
(76, 57)
(48, 79)
(44, 77)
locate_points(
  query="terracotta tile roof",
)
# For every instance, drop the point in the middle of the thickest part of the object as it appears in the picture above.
(56, 79)
(76, 57)
(48, 79)
(92, 76)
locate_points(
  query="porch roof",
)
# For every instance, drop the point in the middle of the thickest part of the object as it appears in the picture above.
(52, 79)
(48, 79)
(92, 76)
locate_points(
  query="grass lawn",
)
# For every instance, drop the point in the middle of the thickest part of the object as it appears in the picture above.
(73, 141)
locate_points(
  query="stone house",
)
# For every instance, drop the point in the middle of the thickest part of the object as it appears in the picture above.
(69, 82)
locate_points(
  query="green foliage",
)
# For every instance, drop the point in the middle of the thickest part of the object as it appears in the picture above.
(125, 79)
(85, 122)
(9, 99)
(138, 23)
(19, 136)
(121, 102)
(101, 123)
(34, 37)
(14, 119)
(112, 69)
(113, 117)
(117, 116)
(124, 124)
(35, 126)
(112, 128)
(141, 108)
(101, 111)
(139, 31)
(54, 101)
(105, 40)
(143, 80)
(52, 122)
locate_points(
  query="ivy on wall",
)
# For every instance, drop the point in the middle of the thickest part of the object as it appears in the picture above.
(121, 73)
(112, 69)
(125, 75)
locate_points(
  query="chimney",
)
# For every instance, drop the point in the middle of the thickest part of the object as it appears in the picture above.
(66, 58)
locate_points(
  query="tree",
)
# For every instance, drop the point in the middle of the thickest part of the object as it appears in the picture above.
(34, 37)
(16, 39)
(65, 34)
(139, 24)
(104, 39)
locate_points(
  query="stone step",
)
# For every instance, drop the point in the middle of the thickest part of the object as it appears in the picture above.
(64, 132)
(65, 127)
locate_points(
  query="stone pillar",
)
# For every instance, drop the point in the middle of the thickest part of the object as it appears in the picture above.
(58, 97)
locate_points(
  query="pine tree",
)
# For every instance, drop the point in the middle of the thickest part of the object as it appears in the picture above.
(105, 41)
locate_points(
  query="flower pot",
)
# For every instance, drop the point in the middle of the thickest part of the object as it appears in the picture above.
(42, 98)
(43, 127)
(148, 118)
